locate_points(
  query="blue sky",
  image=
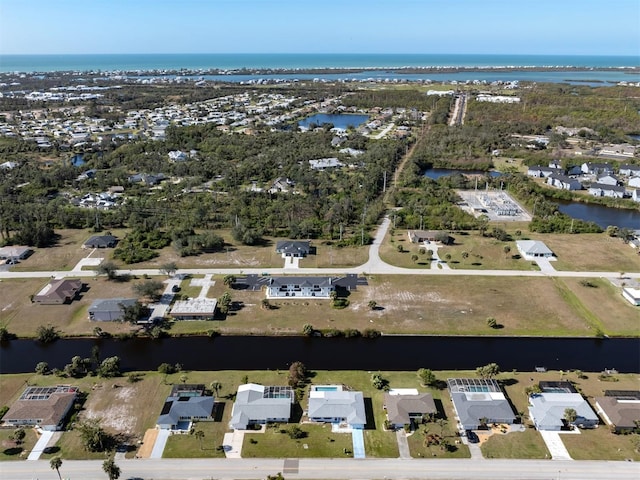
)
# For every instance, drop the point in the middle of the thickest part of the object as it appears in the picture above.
(329, 26)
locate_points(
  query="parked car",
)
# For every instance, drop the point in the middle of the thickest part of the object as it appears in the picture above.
(472, 436)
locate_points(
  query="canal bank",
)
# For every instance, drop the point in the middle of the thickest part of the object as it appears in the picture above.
(383, 353)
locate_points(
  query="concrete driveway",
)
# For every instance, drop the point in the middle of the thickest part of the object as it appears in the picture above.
(403, 444)
(232, 444)
(554, 444)
(161, 442)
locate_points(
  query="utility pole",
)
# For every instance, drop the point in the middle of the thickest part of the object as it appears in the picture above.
(384, 182)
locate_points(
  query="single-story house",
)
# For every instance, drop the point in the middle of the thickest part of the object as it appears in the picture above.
(194, 309)
(539, 171)
(634, 182)
(101, 241)
(57, 292)
(15, 253)
(629, 170)
(563, 182)
(149, 179)
(478, 401)
(603, 190)
(302, 287)
(185, 405)
(257, 404)
(333, 404)
(45, 407)
(324, 163)
(531, 249)
(293, 248)
(421, 236)
(109, 309)
(609, 179)
(547, 410)
(632, 295)
(596, 168)
(407, 406)
(620, 410)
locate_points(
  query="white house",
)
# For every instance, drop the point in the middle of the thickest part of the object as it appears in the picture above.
(332, 404)
(634, 182)
(324, 163)
(632, 295)
(547, 410)
(563, 182)
(609, 179)
(635, 195)
(531, 249)
(257, 404)
(596, 168)
(177, 156)
(300, 287)
(538, 171)
(629, 170)
(603, 190)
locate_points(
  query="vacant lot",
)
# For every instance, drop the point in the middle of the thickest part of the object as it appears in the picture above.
(63, 256)
(10, 450)
(527, 444)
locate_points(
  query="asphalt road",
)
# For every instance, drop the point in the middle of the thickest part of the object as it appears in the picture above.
(329, 469)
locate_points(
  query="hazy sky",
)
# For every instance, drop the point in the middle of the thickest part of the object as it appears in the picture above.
(606, 27)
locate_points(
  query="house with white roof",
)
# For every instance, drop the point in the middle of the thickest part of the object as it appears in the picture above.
(324, 163)
(302, 287)
(532, 249)
(333, 404)
(632, 295)
(547, 410)
(257, 404)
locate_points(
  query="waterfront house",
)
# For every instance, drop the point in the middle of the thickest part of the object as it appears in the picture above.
(478, 402)
(257, 404)
(532, 249)
(631, 295)
(563, 182)
(547, 410)
(43, 407)
(293, 248)
(333, 404)
(603, 190)
(101, 241)
(185, 404)
(407, 406)
(58, 292)
(574, 170)
(635, 195)
(620, 409)
(301, 287)
(194, 309)
(109, 309)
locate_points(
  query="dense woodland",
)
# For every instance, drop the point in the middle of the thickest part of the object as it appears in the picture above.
(213, 191)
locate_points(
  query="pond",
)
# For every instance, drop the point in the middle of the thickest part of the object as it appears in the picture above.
(436, 173)
(600, 214)
(339, 120)
(384, 353)
(77, 160)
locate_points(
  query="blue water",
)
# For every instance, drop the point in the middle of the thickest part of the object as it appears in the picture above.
(338, 120)
(601, 214)
(77, 160)
(326, 389)
(111, 62)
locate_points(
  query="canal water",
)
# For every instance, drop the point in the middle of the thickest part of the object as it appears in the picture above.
(600, 214)
(339, 120)
(383, 353)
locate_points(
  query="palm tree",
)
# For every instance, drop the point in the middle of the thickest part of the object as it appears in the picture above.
(55, 463)
(229, 280)
(199, 435)
(111, 469)
(215, 387)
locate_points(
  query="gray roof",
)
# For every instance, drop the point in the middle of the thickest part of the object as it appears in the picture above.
(111, 304)
(604, 186)
(256, 403)
(101, 240)
(472, 406)
(176, 409)
(298, 247)
(399, 407)
(338, 404)
(547, 409)
(302, 281)
(533, 247)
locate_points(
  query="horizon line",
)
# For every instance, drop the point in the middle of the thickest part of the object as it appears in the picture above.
(330, 53)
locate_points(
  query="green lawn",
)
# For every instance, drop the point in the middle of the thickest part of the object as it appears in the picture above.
(601, 444)
(419, 449)
(188, 445)
(9, 450)
(527, 444)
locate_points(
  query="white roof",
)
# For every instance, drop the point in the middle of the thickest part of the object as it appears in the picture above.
(194, 305)
(533, 247)
(403, 391)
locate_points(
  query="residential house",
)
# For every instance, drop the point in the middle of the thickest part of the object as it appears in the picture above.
(293, 248)
(14, 253)
(541, 172)
(596, 168)
(634, 182)
(632, 295)
(185, 404)
(324, 163)
(101, 241)
(177, 156)
(333, 404)
(8, 165)
(194, 309)
(282, 184)
(556, 164)
(609, 179)
(302, 287)
(635, 195)
(257, 404)
(44, 407)
(407, 406)
(148, 179)
(532, 249)
(58, 292)
(574, 170)
(422, 236)
(603, 190)
(109, 309)
(563, 182)
(618, 150)
(620, 410)
(629, 170)
(479, 401)
(547, 410)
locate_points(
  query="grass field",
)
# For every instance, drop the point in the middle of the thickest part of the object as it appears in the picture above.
(188, 446)
(527, 444)
(9, 450)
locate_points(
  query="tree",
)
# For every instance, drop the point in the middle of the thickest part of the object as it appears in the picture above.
(111, 469)
(414, 258)
(308, 330)
(379, 382)
(4, 334)
(183, 378)
(149, 288)
(229, 280)
(47, 334)
(492, 322)
(169, 268)
(42, 368)
(507, 250)
(277, 476)
(427, 377)
(108, 268)
(570, 415)
(215, 387)
(297, 374)
(488, 371)
(110, 367)
(265, 304)
(19, 435)
(465, 255)
(199, 434)
(295, 432)
(55, 463)
(372, 304)
(92, 435)
(165, 369)
(225, 302)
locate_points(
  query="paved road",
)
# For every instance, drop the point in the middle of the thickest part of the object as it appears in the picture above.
(169, 469)
(373, 266)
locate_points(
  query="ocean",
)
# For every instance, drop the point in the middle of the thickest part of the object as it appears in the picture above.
(146, 62)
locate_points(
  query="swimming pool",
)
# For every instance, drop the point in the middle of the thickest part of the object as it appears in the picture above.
(325, 389)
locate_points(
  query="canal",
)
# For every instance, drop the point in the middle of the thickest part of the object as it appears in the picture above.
(383, 353)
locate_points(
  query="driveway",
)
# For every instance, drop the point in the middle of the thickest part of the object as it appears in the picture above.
(554, 444)
(357, 437)
(545, 265)
(161, 442)
(403, 444)
(43, 442)
(232, 444)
